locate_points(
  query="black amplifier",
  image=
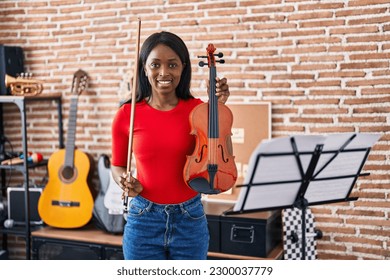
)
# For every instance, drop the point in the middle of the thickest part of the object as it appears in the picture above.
(16, 205)
(11, 63)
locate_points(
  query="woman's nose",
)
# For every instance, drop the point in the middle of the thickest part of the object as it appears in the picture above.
(164, 69)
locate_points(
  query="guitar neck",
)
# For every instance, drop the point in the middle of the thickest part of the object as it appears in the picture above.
(71, 135)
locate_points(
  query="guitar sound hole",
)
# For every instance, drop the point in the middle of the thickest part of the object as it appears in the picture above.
(67, 173)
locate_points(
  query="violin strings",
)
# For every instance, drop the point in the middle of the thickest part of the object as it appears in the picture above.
(213, 117)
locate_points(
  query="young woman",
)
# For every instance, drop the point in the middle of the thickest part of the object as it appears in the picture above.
(166, 218)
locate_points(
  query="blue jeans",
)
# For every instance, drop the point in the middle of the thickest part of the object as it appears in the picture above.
(165, 231)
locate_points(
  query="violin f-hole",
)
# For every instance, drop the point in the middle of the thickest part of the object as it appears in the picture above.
(201, 154)
(222, 154)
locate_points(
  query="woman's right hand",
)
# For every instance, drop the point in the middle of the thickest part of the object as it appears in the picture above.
(131, 186)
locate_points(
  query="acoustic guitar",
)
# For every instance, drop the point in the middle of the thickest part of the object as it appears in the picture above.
(67, 201)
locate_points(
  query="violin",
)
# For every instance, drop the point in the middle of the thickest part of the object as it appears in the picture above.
(211, 168)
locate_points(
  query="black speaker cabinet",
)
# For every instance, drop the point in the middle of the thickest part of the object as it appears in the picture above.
(60, 249)
(16, 205)
(85, 243)
(11, 63)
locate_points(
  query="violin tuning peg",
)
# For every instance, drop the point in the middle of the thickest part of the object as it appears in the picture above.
(222, 61)
(202, 63)
(219, 54)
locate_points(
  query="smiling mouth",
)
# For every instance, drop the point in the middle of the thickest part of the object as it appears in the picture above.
(164, 82)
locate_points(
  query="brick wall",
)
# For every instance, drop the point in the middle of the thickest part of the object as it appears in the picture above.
(324, 66)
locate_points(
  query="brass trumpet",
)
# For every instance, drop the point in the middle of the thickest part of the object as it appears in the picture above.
(23, 86)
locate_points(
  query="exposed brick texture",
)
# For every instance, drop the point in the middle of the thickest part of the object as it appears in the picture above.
(324, 66)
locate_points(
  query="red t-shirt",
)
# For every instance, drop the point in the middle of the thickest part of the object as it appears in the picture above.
(161, 142)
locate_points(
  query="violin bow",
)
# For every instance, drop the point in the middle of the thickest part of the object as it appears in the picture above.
(133, 101)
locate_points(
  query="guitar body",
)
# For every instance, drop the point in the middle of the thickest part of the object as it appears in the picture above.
(67, 201)
(113, 198)
(108, 208)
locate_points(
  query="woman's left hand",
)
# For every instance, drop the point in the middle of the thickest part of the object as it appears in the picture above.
(222, 90)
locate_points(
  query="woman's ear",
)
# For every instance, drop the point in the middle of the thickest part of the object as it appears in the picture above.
(145, 72)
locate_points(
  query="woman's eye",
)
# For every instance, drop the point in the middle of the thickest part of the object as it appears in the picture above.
(173, 65)
(154, 65)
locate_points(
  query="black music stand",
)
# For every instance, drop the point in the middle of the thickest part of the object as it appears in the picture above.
(301, 171)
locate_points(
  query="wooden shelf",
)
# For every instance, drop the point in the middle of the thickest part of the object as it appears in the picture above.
(88, 234)
(13, 98)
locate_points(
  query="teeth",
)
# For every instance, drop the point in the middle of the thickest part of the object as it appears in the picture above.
(164, 82)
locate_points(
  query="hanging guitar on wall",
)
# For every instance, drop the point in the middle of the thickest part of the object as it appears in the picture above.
(67, 201)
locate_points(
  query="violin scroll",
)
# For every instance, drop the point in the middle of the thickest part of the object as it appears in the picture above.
(210, 50)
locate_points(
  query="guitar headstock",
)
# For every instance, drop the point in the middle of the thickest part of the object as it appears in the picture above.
(80, 81)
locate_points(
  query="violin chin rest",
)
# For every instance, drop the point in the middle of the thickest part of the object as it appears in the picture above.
(201, 185)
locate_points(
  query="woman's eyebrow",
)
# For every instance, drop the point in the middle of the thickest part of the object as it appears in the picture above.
(169, 59)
